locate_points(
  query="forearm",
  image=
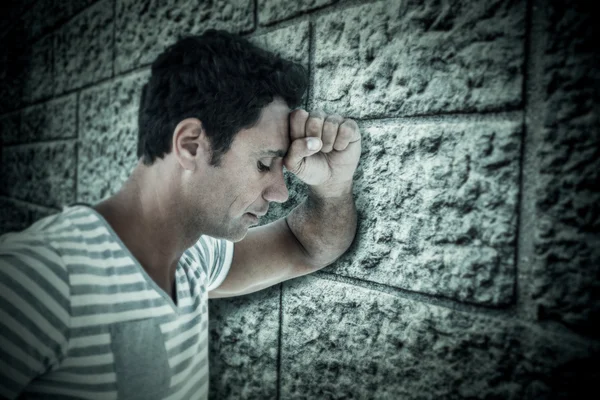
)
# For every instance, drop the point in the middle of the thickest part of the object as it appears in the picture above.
(324, 224)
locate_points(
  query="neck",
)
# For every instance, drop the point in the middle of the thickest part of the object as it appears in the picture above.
(146, 219)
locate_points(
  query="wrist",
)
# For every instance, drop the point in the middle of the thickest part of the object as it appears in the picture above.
(331, 191)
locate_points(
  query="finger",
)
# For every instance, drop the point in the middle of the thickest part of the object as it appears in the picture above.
(347, 133)
(330, 131)
(298, 120)
(298, 150)
(314, 125)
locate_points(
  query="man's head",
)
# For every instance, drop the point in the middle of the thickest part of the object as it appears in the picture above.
(214, 120)
(219, 78)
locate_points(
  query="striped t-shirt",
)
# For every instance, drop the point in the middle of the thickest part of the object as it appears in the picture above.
(80, 317)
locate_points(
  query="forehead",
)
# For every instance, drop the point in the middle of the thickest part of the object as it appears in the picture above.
(271, 131)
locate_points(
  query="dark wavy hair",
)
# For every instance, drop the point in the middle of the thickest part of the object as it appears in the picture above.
(219, 78)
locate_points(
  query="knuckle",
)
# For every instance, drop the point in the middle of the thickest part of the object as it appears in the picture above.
(317, 114)
(346, 132)
(300, 111)
(314, 125)
(299, 114)
(351, 123)
(349, 127)
(334, 119)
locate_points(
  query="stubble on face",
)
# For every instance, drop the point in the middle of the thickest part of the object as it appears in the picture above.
(236, 187)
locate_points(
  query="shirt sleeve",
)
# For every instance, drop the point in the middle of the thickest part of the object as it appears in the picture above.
(34, 313)
(215, 256)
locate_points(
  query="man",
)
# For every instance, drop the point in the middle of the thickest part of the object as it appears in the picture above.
(110, 301)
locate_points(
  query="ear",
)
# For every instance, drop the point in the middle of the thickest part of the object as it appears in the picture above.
(191, 144)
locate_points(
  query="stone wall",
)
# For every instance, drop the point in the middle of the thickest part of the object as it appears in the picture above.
(475, 272)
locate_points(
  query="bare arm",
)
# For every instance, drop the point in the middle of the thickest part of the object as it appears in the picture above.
(324, 224)
(318, 231)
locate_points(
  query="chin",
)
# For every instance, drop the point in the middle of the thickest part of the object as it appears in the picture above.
(234, 235)
(240, 236)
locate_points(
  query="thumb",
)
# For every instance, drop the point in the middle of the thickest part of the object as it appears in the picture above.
(299, 149)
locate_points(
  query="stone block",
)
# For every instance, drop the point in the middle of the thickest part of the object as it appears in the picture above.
(40, 18)
(45, 15)
(244, 340)
(340, 341)
(16, 215)
(12, 13)
(41, 173)
(67, 9)
(437, 205)
(108, 131)
(566, 274)
(10, 127)
(397, 58)
(15, 63)
(12, 217)
(437, 208)
(55, 119)
(145, 28)
(270, 11)
(38, 82)
(291, 42)
(84, 48)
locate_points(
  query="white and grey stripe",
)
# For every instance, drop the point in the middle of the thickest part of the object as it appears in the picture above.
(80, 318)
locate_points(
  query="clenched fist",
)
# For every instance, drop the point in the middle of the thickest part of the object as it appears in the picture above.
(324, 149)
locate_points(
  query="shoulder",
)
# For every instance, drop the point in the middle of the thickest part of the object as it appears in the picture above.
(44, 245)
(29, 259)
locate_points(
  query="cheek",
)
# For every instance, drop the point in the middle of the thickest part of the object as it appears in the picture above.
(237, 197)
(248, 194)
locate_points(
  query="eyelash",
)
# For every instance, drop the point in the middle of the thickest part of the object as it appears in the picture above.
(262, 167)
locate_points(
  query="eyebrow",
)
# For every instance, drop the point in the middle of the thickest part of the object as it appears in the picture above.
(275, 153)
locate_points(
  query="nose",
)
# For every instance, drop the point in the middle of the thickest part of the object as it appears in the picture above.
(277, 189)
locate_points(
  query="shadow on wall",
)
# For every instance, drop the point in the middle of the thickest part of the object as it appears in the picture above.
(16, 69)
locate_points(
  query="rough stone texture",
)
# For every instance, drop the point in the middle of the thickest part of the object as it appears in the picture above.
(407, 58)
(84, 51)
(108, 131)
(15, 62)
(291, 43)
(47, 14)
(270, 11)
(436, 196)
(244, 340)
(52, 120)
(437, 209)
(566, 279)
(146, 27)
(55, 119)
(12, 10)
(72, 7)
(340, 341)
(12, 217)
(38, 83)
(42, 173)
(39, 18)
(10, 126)
(16, 215)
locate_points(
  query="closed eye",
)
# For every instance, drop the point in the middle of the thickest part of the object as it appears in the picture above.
(262, 167)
